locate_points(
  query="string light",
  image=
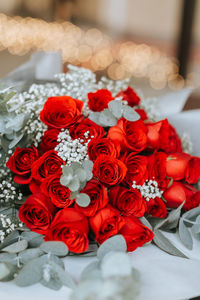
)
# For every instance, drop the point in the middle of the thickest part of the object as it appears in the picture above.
(91, 49)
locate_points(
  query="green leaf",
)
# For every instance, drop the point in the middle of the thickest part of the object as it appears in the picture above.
(16, 247)
(185, 235)
(83, 200)
(115, 264)
(130, 114)
(56, 248)
(107, 118)
(163, 243)
(115, 243)
(116, 108)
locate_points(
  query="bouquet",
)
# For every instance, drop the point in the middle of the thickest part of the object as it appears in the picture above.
(87, 161)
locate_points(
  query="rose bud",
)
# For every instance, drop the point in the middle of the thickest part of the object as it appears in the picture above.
(193, 170)
(130, 96)
(176, 165)
(156, 208)
(86, 126)
(48, 164)
(136, 169)
(135, 233)
(193, 201)
(61, 112)
(37, 213)
(106, 223)
(177, 193)
(158, 134)
(49, 140)
(157, 169)
(130, 135)
(102, 146)
(99, 100)
(174, 141)
(21, 162)
(127, 201)
(58, 194)
(98, 197)
(110, 171)
(70, 227)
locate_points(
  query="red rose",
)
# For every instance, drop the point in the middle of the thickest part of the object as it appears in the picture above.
(98, 196)
(106, 223)
(130, 135)
(156, 208)
(176, 165)
(193, 170)
(94, 130)
(37, 213)
(127, 201)
(21, 162)
(110, 171)
(130, 96)
(48, 164)
(100, 146)
(99, 100)
(70, 227)
(192, 202)
(58, 194)
(177, 193)
(49, 140)
(174, 142)
(142, 113)
(61, 112)
(157, 169)
(135, 233)
(136, 169)
(158, 135)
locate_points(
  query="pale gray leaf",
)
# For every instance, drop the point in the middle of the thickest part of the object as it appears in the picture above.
(116, 108)
(115, 243)
(8, 258)
(16, 247)
(36, 242)
(88, 165)
(115, 264)
(32, 272)
(130, 114)
(145, 222)
(163, 243)
(29, 235)
(16, 140)
(83, 200)
(107, 118)
(75, 165)
(54, 283)
(10, 239)
(74, 185)
(68, 171)
(95, 117)
(91, 271)
(192, 214)
(185, 235)
(81, 174)
(29, 254)
(7, 271)
(54, 247)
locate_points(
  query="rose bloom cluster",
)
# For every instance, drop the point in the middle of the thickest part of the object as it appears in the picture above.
(139, 170)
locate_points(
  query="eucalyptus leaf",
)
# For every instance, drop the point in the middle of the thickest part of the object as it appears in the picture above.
(185, 235)
(116, 108)
(29, 235)
(16, 247)
(107, 118)
(32, 272)
(83, 200)
(56, 248)
(10, 239)
(29, 254)
(75, 165)
(130, 114)
(192, 214)
(8, 258)
(7, 271)
(88, 165)
(115, 264)
(115, 243)
(145, 222)
(95, 117)
(91, 271)
(81, 174)
(68, 171)
(163, 243)
(16, 140)
(36, 241)
(74, 184)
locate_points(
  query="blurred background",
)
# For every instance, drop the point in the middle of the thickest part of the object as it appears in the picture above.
(157, 42)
